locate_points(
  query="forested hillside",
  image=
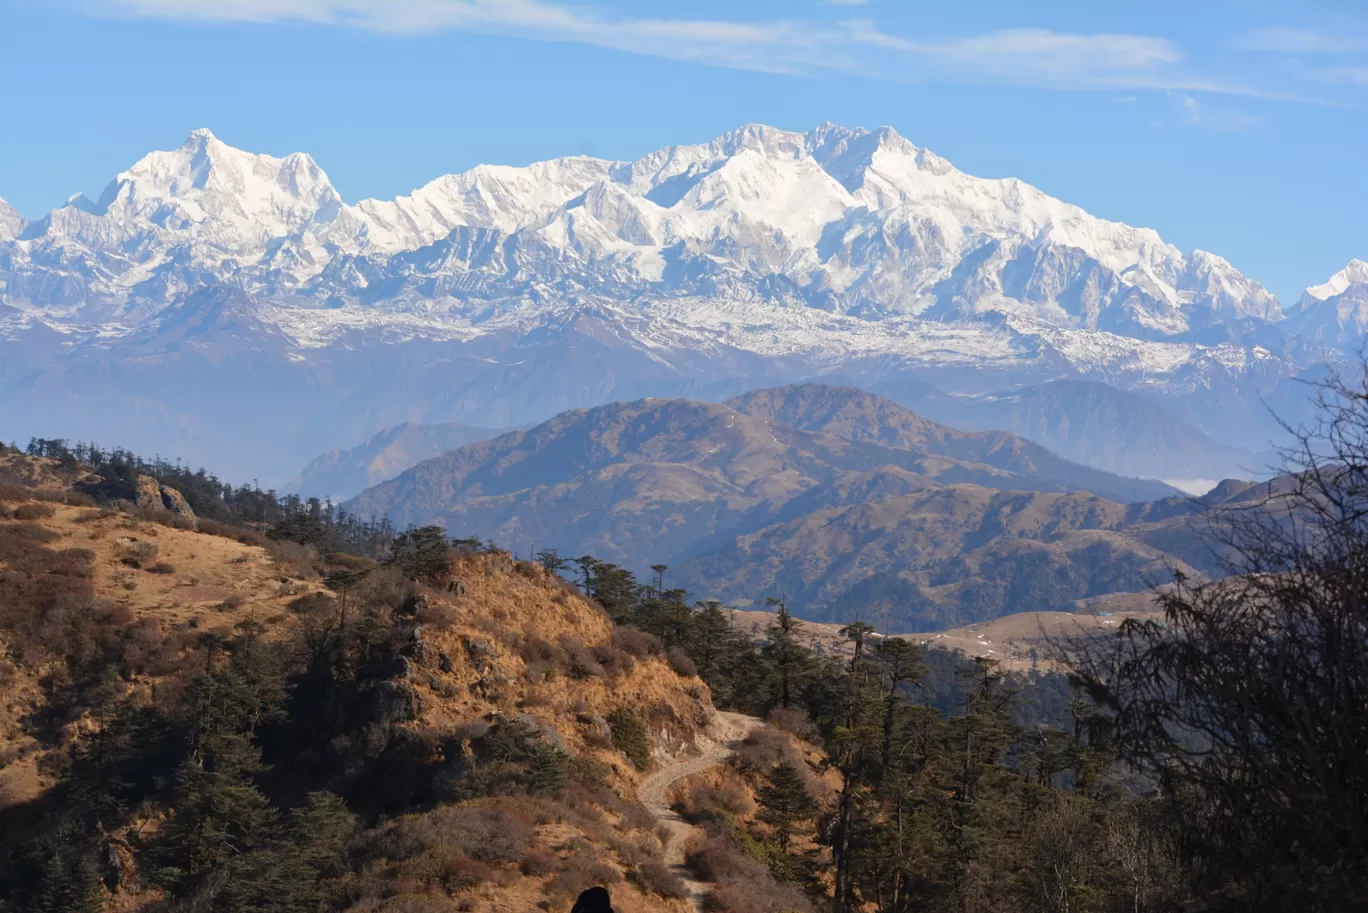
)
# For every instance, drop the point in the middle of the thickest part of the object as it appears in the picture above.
(307, 713)
(249, 722)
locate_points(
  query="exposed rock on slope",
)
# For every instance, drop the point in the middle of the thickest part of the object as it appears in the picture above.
(155, 496)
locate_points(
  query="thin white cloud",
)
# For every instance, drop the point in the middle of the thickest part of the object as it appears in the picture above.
(1018, 56)
(784, 47)
(1357, 76)
(1302, 41)
(1036, 54)
(1196, 114)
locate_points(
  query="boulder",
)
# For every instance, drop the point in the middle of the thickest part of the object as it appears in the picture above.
(393, 702)
(148, 493)
(113, 869)
(152, 495)
(175, 502)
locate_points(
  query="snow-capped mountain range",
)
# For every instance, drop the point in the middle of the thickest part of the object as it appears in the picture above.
(219, 302)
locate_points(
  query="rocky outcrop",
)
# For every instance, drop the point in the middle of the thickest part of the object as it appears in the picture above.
(175, 502)
(148, 493)
(152, 495)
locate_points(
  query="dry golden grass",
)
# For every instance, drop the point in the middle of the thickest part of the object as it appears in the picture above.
(37, 474)
(476, 641)
(507, 605)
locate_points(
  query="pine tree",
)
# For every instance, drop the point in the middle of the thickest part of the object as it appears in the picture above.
(547, 767)
(70, 885)
(852, 741)
(221, 816)
(792, 661)
(785, 802)
(423, 554)
(900, 661)
(712, 644)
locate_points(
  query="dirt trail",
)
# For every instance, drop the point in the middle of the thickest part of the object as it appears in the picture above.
(727, 730)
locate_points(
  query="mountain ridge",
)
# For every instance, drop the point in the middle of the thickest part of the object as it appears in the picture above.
(344, 473)
(689, 483)
(764, 256)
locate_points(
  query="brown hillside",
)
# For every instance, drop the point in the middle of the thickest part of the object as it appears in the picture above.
(506, 645)
(705, 487)
(942, 557)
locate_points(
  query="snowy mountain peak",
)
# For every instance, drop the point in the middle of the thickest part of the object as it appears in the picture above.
(1336, 311)
(220, 195)
(11, 222)
(768, 141)
(1353, 274)
(850, 221)
(523, 291)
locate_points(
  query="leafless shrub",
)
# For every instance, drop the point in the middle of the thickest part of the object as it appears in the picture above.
(758, 895)
(582, 870)
(539, 862)
(35, 511)
(743, 883)
(635, 815)
(10, 492)
(681, 663)
(725, 801)
(236, 533)
(637, 643)
(657, 878)
(717, 859)
(536, 649)
(293, 559)
(31, 532)
(793, 720)
(483, 833)
(613, 660)
(580, 660)
(437, 614)
(536, 697)
(539, 671)
(764, 747)
(598, 738)
(471, 729)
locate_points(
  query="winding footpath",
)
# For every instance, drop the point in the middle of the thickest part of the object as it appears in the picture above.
(723, 735)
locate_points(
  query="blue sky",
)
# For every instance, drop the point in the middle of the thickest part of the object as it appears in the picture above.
(1237, 126)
